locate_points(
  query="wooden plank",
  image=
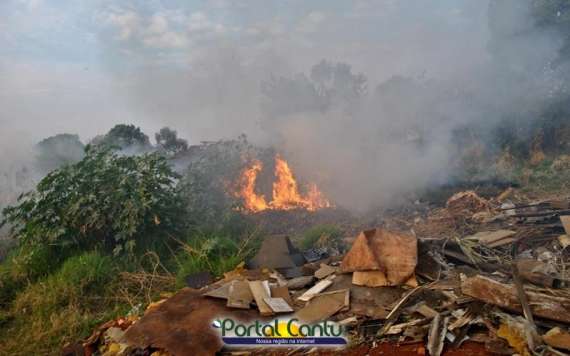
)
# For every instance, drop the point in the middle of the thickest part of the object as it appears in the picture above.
(324, 271)
(323, 307)
(505, 296)
(239, 295)
(491, 237)
(370, 279)
(278, 305)
(557, 337)
(316, 289)
(566, 223)
(260, 290)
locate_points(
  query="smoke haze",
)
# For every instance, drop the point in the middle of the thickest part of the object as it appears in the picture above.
(383, 125)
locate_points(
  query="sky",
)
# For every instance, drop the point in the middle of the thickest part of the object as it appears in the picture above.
(432, 68)
(83, 66)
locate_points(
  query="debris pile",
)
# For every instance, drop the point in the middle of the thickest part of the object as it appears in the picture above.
(500, 282)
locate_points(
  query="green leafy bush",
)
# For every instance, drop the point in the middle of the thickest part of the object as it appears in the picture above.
(104, 200)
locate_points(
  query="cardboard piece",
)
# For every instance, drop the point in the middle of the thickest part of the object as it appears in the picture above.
(260, 290)
(239, 295)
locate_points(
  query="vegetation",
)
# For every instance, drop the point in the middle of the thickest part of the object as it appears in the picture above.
(125, 137)
(104, 236)
(105, 200)
(168, 142)
(206, 182)
(330, 235)
(56, 151)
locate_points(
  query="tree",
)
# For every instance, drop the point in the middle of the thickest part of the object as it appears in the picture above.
(330, 86)
(58, 150)
(125, 137)
(104, 200)
(168, 141)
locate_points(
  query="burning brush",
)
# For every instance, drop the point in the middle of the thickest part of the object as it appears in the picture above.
(285, 196)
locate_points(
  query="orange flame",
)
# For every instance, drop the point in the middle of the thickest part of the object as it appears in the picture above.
(252, 201)
(286, 195)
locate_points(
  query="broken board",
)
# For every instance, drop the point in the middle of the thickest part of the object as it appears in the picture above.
(493, 238)
(323, 306)
(278, 305)
(316, 289)
(566, 223)
(325, 271)
(240, 296)
(281, 292)
(260, 290)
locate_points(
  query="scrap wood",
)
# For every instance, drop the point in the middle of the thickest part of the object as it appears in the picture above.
(281, 292)
(565, 219)
(278, 305)
(260, 291)
(558, 338)
(323, 306)
(536, 272)
(391, 252)
(325, 271)
(542, 213)
(351, 321)
(504, 295)
(436, 335)
(397, 329)
(316, 289)
(423, 309)
(564, 240)
(466, 202)
(239, 295)
(395, 313)
(531, 332)
(492, 238)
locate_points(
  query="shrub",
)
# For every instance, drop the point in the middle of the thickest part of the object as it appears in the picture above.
(329, 234)
(212, 252)
(104, 200)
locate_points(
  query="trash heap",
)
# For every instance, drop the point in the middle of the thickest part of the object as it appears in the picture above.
(485, 272)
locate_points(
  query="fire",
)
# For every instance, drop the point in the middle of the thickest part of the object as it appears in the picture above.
(286, 195)
(252, 201)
